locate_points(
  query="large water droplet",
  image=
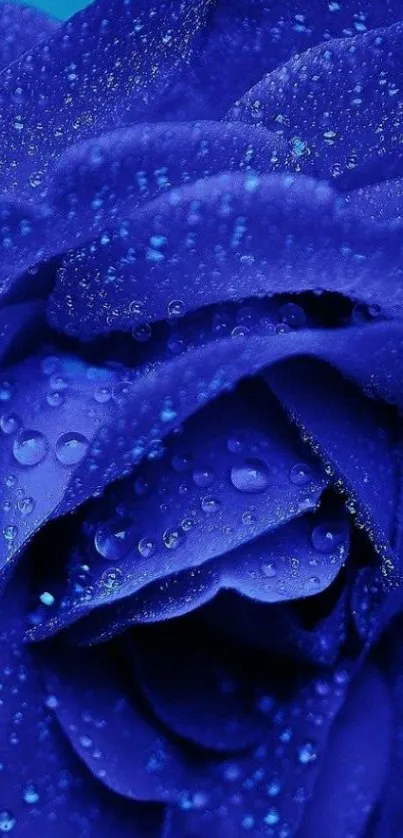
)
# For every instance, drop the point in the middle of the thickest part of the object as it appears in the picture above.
(203, 477)
(210, 505)
(30, 794)
(71, 448)
(146, 547)
(30, 448)
(176, 308)
(26, 505)
(112, 579)
(307, 753)
(293, 315)
(10, 533)
(327, 537)
(112, 540)
(9, 423)
(301, 474)
(7, 821)
(172, 538)
(251, 476)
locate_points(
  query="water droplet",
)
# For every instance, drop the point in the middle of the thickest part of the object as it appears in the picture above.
(112, 539)
(272, 817)
(307, 753)
(112, 579)
(5, 391)
(146, 547)
(203, 477)
(9, 423)
(10, 532)
(142, 333)
(30, 794)
(85, 741)
(292, 315)
(30, 448)
(51, 702)
(7, 821)
(47, 598)
(168, 414)
(26, 505)
(251, 476)
(176, 308)
(172, 538)
(55, 398)
(269, 569)
(71, 448)
(181, 462)
(327, 537)
(210, 505)
(301, 474)
(103, 395)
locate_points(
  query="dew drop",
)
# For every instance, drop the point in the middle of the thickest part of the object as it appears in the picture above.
(181, 463)
(272, 817)
(307, 753)
(251, 476)
(30, 794)
(142, 333)
(210, 505)
(112, 539)
(301, 474)
(176, 308)
(47, 598)
(30, 448)
(146, 547)
(203, 477)
(71, 448)
(112, 579)
(5, 391)
(103, 395)
(55, 398)
(9, 423)
(173, 538)
(10, 533)
(269, 569)
(26, 505)
(327, 537)
(292, 315)
(7, 821)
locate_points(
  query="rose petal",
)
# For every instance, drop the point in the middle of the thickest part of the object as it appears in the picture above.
(291, 563)
(356, 764)
(22, 27)
(387, 821)
(339, 102)
(271, 787)
(355, 441)
(96, 185)
(53, 407)
(227, 478)
(138, 409)
(121, 745)
(200, 689)
(43, 786)
(207, 243)
(19, 324)
(245, 39)
(379, 201)
(110, 53)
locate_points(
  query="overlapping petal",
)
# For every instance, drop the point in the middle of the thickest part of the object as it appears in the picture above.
(340, 103)
(43, 786)
(21, 28)
(225, 239)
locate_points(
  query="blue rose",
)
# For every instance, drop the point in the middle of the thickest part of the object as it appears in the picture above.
(200, 420)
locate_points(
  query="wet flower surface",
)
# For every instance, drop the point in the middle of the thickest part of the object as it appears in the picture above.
(201, 347)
